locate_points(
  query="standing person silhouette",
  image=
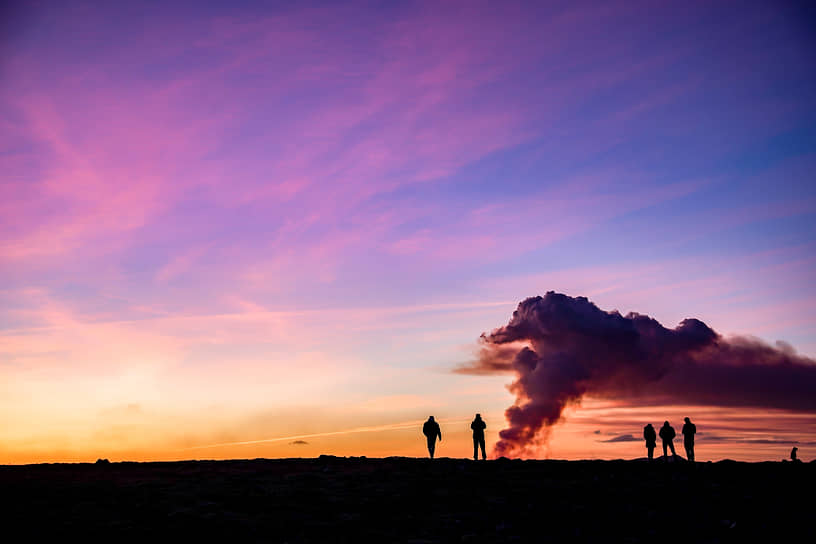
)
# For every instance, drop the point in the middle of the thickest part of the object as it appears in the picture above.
(667, 434)
(478, 427)
(689, 429)
(793, 454)
(650, 436)
(431, 430)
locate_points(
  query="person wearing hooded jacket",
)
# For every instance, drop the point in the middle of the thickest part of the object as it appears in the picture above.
(650, 436)
(478, 426)
(689, 430)
(431, 430)
(667, 434)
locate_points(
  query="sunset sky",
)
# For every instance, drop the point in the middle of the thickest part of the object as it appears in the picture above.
(227, 228)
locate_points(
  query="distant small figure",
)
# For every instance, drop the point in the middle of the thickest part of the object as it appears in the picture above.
(793, 455)
(650, 436)
(478, 427)
(689, 429)
(667, 434)
(431, 430)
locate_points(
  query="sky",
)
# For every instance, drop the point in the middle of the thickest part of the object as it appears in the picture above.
(274, 229)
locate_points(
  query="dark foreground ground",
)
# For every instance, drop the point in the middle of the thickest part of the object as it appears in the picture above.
(334, 499)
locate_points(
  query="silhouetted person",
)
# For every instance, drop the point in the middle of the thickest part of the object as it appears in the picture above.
(793, 454)
(431, 430)
(650, 436)
(478, 427)
(667, 434)
(689, 429)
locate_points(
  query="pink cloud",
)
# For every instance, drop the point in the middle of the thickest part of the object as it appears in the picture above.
(179, 264)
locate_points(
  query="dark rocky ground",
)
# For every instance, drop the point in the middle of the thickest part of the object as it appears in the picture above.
(334, 499)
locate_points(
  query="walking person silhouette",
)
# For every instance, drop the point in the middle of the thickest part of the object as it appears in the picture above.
(667, 434)
(650, 436)
(431, 430)
(478, 427)
(689, 429)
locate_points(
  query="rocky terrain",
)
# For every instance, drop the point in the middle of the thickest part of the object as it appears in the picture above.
(331, 499)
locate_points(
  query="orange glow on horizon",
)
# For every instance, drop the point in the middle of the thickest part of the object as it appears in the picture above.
(587, 432)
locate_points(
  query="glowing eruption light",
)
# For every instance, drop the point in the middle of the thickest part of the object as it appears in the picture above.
(563, 348)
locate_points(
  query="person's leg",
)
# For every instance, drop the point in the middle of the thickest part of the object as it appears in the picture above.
(475, 448)
(431, 446)
(671, 445)
(650, 449)
(690, 452)
(482, 444)
(665, 452)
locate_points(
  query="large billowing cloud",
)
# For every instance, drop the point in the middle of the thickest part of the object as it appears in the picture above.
(561, 348)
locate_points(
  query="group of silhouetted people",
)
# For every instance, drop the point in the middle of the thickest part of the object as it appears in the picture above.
(667, 435)
(432, 431)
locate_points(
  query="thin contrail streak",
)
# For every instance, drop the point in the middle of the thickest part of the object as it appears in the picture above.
(439, 307)
(390, 427)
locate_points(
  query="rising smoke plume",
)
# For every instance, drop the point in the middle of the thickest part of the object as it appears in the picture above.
(561, 348)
